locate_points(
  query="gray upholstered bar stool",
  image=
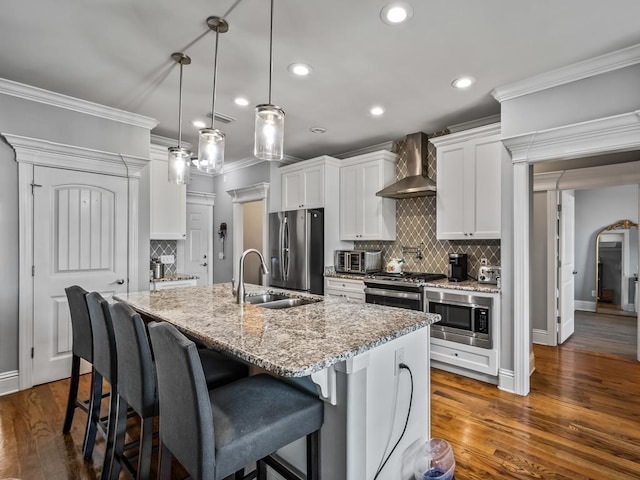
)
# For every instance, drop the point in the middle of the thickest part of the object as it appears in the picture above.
(216, 433)
(82, 349)
(105, 364)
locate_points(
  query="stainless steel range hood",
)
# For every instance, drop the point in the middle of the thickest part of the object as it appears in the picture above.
(416, 183)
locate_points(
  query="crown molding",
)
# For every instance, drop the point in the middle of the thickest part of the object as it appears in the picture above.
(591, 177)
(201, 198)
(39, 95)
(362, 151)
(570, 73)
(58, 155)
(252, 193)
(480, 122)
(618, 133)
(478, 132)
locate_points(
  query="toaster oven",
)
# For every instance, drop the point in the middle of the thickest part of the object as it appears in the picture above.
(357, 261)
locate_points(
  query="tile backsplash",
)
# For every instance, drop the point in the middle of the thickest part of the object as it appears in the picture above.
(164, 247)
(416, 223)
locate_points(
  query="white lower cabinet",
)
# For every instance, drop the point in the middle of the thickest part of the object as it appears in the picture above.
(344, 287)
(481, 360)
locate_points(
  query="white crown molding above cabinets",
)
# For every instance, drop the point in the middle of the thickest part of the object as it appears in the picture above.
(480, 122)
(571, 73)
(39, 95)
(362, 151)
(618, 133)
(58, 155)
(454, 138)
(161, 144)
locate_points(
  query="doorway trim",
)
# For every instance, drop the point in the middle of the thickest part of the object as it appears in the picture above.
(618, 133)
(205, 199)
(252, 193)
(32, 152)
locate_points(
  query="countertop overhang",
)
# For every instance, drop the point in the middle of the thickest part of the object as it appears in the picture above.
(291, 342)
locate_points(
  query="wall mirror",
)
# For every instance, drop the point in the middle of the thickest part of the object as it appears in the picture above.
(617, 269)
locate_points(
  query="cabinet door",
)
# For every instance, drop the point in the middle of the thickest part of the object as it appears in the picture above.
(450, 193)
(350, 202)
(292, 190)
(313, 188)
(168, 204)
(371, 220)
(486, 169)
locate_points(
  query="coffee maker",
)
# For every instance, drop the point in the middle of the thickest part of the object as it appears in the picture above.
(457, 267)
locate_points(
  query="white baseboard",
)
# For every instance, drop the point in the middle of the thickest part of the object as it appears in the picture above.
(629, 307)
(9, 382)
(506, 381)
(585, 305)
(540, 337)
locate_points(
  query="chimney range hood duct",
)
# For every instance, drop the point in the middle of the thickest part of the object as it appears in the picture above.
(416, 183)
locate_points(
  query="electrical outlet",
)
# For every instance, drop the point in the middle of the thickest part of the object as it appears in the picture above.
(399, 360)
(593, 293)
(221, 255)
(483, 261)
(170, 259)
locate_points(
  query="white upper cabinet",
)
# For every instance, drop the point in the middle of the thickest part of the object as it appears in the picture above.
(168, 201)
(468, 184)
(303, 186)
(363, 215)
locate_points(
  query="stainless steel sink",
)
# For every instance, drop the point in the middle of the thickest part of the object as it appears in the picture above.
(288, 303)
(264, 297)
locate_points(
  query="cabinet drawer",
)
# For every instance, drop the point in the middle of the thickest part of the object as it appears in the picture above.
(173, 284)
(358, 297)
(345, 285)
(474, 358)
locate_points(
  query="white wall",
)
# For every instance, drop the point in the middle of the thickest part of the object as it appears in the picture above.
(539, 234)
(595, 209)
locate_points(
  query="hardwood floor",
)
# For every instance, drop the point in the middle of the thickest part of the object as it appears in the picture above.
(580, 421)
(604, 334)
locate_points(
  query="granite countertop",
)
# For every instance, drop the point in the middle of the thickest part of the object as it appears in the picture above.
(292, 342)
(172, 277)
(348, 276)
(468, 285)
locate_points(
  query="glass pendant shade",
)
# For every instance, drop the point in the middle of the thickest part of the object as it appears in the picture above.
(269, 133)
(211, 150)
(179, 162)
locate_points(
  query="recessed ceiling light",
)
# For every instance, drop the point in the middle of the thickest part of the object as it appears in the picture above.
(318, 130)
(463, 82)
(243, 102)
(377, 111)
(300, 69)
(396, 13)
(198, 124)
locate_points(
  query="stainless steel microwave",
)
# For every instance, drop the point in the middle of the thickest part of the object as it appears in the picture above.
(357, 261)
(465, 318)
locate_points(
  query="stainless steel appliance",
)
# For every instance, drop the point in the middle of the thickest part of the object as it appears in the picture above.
(488, 274)
(457, 267)
(357, 261)
(465, 318)
(403, 290)
(296, 242)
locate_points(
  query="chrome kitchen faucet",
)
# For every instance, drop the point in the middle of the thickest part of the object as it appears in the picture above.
(240, 291)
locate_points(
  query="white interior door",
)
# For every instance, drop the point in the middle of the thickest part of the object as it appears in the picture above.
(197, 249)
(566, 279)
(80, 237)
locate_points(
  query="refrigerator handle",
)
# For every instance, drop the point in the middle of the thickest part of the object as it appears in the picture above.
(282, 248)
(286, 250)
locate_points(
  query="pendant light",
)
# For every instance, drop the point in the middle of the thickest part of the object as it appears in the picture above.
(179, 157)
(269, 133)
(211, 140)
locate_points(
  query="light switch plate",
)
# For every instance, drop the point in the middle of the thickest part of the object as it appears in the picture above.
(167, 259)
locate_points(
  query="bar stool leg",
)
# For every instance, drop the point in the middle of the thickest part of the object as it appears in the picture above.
(73, 393)
(313, 456)
(94, 415)
(261, 467)
(146, 444)
(164, 462)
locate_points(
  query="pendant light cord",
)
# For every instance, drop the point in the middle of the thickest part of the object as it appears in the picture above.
(270, 51)
(215, 74)
(180, 109)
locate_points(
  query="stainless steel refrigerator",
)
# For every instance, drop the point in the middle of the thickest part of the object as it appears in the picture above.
(296, 241)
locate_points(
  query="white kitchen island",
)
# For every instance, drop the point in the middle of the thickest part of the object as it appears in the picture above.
(345, 351)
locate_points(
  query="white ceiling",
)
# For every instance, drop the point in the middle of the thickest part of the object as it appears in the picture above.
(117, 53)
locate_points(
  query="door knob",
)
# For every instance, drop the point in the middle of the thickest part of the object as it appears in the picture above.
(575, 272)
(203, 264)
(119, 281)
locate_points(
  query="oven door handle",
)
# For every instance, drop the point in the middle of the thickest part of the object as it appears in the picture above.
(392, 293)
